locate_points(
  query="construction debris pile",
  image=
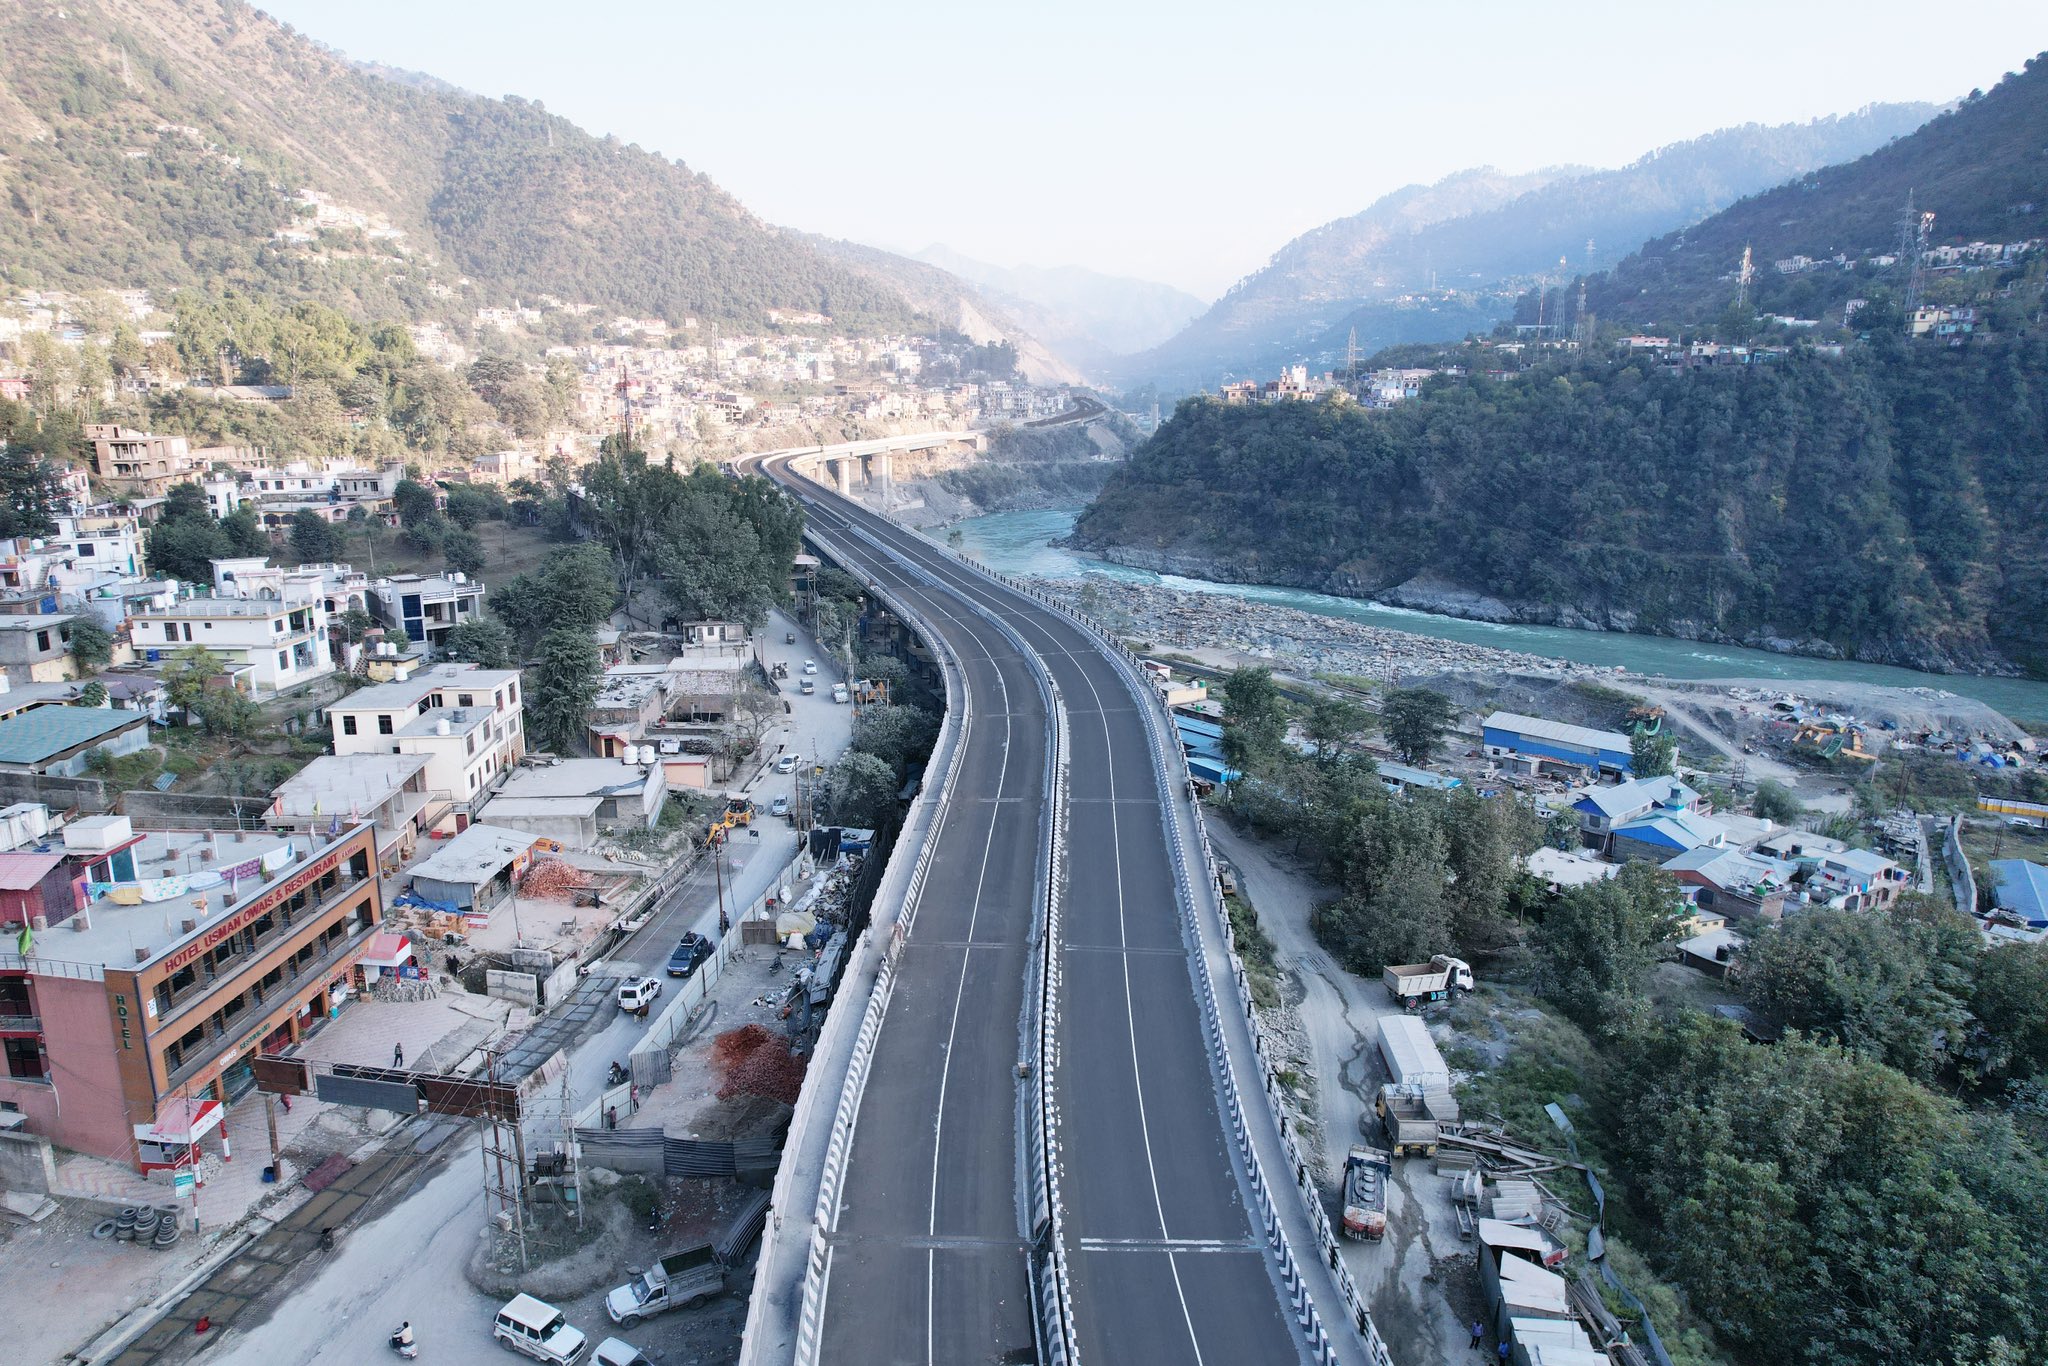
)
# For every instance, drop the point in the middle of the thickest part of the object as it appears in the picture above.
(753, 1061)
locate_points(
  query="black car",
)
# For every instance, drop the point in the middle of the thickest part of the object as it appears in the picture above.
(691, 952)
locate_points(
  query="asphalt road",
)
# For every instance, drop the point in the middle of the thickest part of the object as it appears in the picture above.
(1166, 1262)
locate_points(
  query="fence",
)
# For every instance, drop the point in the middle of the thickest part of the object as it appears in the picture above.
(652, 1153)
(59, 794)
(1596, 1242)
(1959, 872)
(194, 811)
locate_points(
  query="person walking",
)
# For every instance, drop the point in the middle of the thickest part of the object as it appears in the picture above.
(286, 1101)
(611, 1116)
(1478, 1335)
(1507, 1350)
(398, 1055)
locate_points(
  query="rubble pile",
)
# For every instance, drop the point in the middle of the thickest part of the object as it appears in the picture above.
(754, 1061)
(552, 879)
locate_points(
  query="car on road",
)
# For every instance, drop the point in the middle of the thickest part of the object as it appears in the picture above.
(537, 1329)
(810, 666)
(692, 950)
(787, 763)
(636, 992)
(779, 807)
(618, 1352)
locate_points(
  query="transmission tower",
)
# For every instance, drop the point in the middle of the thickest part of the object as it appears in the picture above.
(1743, 277)
(504, 1154)
(1351, 359)
(1584, 328)
(1915, 231)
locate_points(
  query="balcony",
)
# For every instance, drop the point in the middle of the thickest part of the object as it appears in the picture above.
(206, 985)
(246, 1024)
(20, 1024)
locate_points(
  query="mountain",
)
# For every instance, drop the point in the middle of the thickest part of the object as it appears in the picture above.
(166, 144)
(1885, 505)
(954, 303)
(1087, 316)
(1431, 263)
(1979, 168)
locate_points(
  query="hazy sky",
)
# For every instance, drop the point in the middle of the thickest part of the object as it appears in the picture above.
(1183, 141)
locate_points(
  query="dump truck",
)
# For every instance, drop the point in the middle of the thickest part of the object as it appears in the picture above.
(1414, 1117)
(1365, 1192)
(1413, 983)
(680, 1278)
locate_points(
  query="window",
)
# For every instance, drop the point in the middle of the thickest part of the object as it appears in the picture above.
(42, 640)
(284, 662)
(86, 548)
(515, 694)
(348, 725)
(463, 699)
(188, 630)
(25, 1058)
(469, 744)
(384, 725)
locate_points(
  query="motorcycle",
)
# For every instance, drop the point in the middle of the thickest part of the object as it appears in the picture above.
(402, 1343)
(616, 1075)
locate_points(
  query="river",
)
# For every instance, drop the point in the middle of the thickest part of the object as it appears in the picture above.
(1021, 543)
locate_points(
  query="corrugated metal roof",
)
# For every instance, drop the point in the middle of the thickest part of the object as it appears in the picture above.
(44, 732)
(1537, 728)
(2021, 887)
(19, 871)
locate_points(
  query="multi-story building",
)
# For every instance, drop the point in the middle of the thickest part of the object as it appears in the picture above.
(163, 966)
(271, 644)
(136, 462)
(35, 647)
(469, 722)
(424, 606)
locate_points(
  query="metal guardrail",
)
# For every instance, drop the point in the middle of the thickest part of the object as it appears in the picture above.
(946, 760)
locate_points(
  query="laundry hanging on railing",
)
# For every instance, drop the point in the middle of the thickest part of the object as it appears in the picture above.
(152, 890)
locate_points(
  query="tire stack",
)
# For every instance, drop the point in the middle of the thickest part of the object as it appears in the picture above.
(159, 1228)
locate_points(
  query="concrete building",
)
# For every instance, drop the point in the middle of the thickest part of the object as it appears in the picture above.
(425, 607)
(36, 647)
(1559, 870)
(468, 721)
(279, 645)
(1530, 743)
(576, 801)
(475, 870)
(1602, 810)
(59, 740)
(388, 792)
(1734, 884)
(1856, 880)
(136, 462)
(135, 1019)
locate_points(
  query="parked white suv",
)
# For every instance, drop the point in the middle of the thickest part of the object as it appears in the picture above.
(538, 1330)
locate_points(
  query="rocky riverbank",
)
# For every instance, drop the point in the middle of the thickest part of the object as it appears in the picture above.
(1184, 619)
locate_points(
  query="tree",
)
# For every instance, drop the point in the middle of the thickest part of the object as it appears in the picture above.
(887, 669)
(471, 504)
(2010, 1001)
(92, 645)
(1597, 943)
(245, 534)
(860, 791)
(1892, 985)
(28, 492)
(93, 694)
(464, 551)
(573, 587)
(560, 689)
(414, 502)
(1652, 754)
(894, 733)
(349, 627)
(483, 640)
(1774, 802)
(195, 685)
(1333, 725)
(314, 539)
(1414, 721)
(1254, 719)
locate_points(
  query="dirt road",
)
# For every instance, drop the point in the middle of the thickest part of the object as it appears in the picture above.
(1409, 1274)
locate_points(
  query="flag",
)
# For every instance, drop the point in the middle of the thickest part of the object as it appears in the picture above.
(26, 942)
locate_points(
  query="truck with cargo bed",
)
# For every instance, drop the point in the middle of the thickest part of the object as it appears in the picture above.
(1410, 1053)
(1365, 1192)
(1413, 983)
(1417, 1100)
(680, 1278)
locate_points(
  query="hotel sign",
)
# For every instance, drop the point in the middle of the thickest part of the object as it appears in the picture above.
(224, 930)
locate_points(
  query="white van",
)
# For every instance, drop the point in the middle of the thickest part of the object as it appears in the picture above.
(538, 1329)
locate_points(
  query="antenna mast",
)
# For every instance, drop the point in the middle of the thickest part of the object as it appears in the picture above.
(1743, 277)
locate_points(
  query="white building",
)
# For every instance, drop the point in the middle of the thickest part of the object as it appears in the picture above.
(469, 722)
(281, 645)
(424, 606)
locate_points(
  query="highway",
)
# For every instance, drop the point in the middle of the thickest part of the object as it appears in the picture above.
(929, 1260)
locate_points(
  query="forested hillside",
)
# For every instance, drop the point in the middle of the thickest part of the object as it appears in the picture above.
(1884, 506)
(164, 144)
(1471, 237)
(1979, 169)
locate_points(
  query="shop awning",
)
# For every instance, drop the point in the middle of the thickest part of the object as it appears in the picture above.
(179, 1120)
(387, 950)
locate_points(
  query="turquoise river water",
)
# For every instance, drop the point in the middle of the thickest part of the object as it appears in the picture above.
(1021, 543)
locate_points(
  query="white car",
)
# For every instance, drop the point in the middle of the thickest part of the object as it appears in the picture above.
(537, 1329)
(779, 807)
(617, 1352)
(636, 992)
(787, 763)
(810, 666)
